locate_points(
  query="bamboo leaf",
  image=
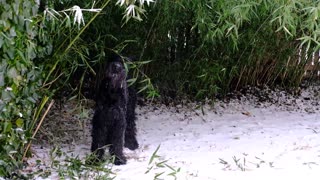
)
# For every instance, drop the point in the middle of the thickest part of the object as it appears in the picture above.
(154, 155)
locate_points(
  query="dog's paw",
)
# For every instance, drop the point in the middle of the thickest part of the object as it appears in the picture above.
(120, 160)
(132, 144)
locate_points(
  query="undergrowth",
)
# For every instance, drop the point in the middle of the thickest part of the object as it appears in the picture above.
(63, 164)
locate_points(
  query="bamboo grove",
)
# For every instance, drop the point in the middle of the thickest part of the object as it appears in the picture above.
(193, 49)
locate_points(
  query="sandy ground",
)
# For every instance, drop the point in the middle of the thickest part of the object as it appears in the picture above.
(241, 138)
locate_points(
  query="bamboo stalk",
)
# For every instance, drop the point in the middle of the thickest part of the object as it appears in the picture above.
(39, 125)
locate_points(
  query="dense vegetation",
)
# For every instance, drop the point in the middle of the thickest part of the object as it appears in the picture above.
(199, 49)
(20, 80)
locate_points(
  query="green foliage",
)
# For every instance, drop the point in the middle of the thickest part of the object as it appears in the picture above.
(70, 50)
(205, 48)
(161, 167)
(20, 79)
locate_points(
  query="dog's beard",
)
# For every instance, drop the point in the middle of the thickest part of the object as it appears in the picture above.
(117, 81)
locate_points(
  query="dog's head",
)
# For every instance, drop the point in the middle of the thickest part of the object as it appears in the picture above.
(116, 73)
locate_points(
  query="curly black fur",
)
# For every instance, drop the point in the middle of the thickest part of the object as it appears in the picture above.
(114, 118)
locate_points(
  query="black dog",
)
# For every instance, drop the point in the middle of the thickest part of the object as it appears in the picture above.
(114, 117)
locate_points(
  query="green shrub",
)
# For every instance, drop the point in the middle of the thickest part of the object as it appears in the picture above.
(20, 79)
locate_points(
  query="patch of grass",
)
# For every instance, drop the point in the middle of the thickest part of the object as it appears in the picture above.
(243, 164)
(160, 167)
(71, 166)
